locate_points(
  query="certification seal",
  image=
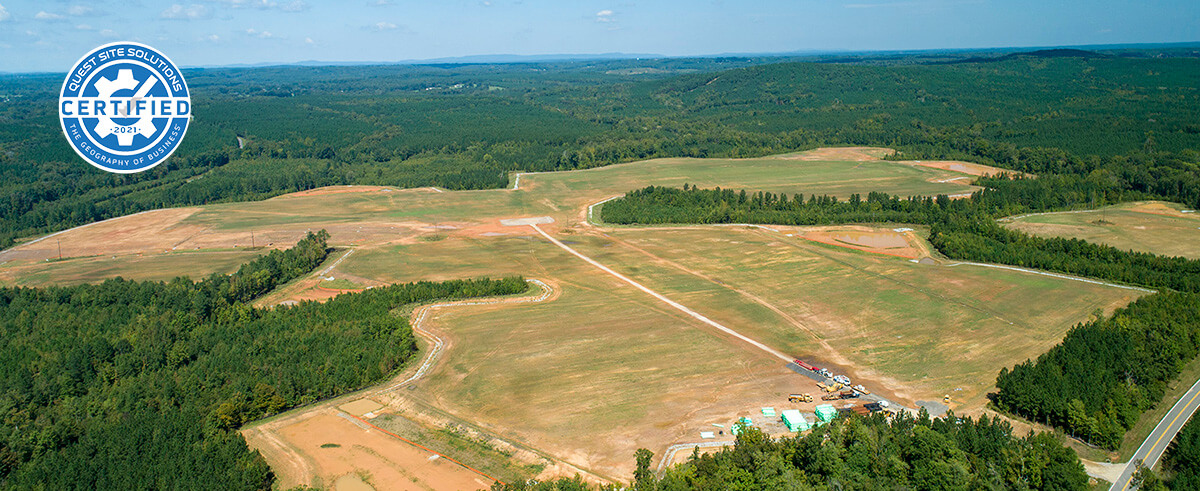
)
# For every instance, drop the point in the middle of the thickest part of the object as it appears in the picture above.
(124, 107)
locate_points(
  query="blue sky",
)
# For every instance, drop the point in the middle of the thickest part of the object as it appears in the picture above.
(49, 35)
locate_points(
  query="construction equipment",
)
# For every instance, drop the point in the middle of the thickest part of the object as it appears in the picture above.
(821, 385)
(831, 397)
(833, 388)
(862, 389)
(800, 398)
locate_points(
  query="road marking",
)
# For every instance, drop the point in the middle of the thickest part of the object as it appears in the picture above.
(665, 300)
(1127, 474)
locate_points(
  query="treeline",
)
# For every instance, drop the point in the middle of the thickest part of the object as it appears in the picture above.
(986, 241)
(142, 385)
(1105, 373)
(869, 453)
(962, 229)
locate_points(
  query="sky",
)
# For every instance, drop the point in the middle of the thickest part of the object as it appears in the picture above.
(50, 35)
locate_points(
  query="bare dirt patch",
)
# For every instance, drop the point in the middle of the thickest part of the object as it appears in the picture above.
(969, 168)
(149, 232)
(361, 407)
(903, 243)
(1160, 208)
(853, 154)
(385, 461)
(343, 189)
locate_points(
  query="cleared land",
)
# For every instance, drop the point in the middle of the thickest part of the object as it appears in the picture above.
(1152, 226)
(603, 368)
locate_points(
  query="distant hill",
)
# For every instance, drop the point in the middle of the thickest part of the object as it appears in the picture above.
(1041, 53)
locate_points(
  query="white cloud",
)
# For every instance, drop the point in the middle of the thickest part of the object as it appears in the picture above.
(309, 41)
(296, 6)
(259, 34)
(185, 13)
(80, 10)
(4, 15)
(605, 16)
(83, 27)
(109, 33)
(384, 26)
(44, 15)
(211, 38)
(382, 2)
(293, 6)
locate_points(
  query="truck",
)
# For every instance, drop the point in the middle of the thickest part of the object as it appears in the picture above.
(841, 379)
(862, 389)
(845, 394)
(800, 398)
(805, 366)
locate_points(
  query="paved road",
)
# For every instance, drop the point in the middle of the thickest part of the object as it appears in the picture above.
(1155, 444)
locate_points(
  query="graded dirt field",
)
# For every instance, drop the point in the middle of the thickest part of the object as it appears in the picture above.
(369, 216)
(336, 445)
(1151, 226)
(969, 168)
(601, 368)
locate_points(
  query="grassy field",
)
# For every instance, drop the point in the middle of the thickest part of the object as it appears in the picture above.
(370, 216)
(922, 330)
(154, 267)
(1151, 226)
(603, 368)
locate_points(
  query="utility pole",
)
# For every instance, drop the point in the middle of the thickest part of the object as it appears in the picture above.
(251, 239)
(59, 248)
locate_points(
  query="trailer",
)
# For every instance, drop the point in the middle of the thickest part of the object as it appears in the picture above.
(805, 366)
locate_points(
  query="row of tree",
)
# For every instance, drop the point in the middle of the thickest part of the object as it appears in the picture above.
(143, 385)
(867, 453)
(1105, 373)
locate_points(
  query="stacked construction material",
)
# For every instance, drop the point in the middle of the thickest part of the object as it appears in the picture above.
(744, 422)
(768, 412)
(826, 413)
(795, 421)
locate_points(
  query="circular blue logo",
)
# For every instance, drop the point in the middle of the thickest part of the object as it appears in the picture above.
(124, 107)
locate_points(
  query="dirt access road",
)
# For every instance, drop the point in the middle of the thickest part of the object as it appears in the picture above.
(698, 316)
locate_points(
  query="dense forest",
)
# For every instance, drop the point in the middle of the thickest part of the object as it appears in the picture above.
(868, 453)
(468, 126)
(1105, 373)
(143, 385)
